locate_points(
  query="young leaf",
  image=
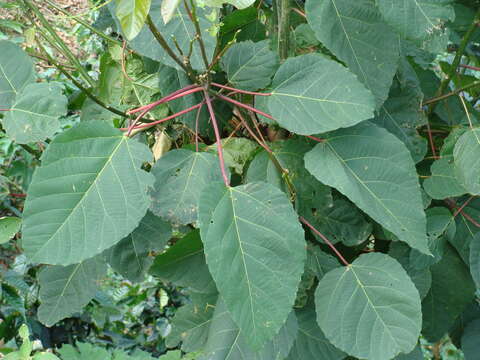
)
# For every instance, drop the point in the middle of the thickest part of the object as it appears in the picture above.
(180, 178)
(249, 65)
(66, 290)
(226, 341)
(179, 28)
(312, 94)
(356, 34)
(415, 19)
(35, 112)
(16, 72)
(375, 170)
(130, 256)
(443, 183)
(369, 309)
(132, 15)
(466, 155)
(9, 226)
(311, 343)
(168, 9)
(88, 194)
(255, 250)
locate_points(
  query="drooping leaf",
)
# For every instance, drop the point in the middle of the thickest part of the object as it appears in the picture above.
(443, 183)
(132, 15)
(16, 72)
(383, 307)
(375, 170)
(255, 250)
(467, 155)
(311, 343)
(191, 323)
(446, 299)
(312, 94)
(227, 342)
(35, 112)
(470, 344)
(9, 226)
(66, 290)
(357, 35)
(180, 178)
(249, 65)
(130, 256)
(416, 19)
(177, 262)
(182, 29)
(88, 194)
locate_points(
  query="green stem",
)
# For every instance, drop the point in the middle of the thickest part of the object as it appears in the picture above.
(79, 85)
(66, 51)
(458, 57)
(84, 23)
(163, 43)
(283, 15)
(193, 16)
(452, 93)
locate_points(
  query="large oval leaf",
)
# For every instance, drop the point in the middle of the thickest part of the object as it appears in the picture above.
(180, 179)
(255, 250)
(467, 155)
(132, 15)
(35, 112)
(370, 309)
(312, 94)
(88, 194)
(65, 290)
(16, 72)
(375, 170)
(354, 31)
(443, 183)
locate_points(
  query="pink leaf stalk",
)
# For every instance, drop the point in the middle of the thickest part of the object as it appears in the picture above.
(245, 106)
(240, 91)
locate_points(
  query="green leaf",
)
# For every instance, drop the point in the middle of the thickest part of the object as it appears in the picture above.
(176, 263)
(34, 114)
(182, 29)
(191, 323)
(132, 15)
(311, 343)
(227, 342)
(16, 72)
(443, 183)
(312, 94)
(369, 309)
(180, 178)
(416, 19)
(249, 65)
(446, 299)
(66, 290)
(356, 34)
(130, 256)
(475, 259)
(9, 226)
(239, 4)
(470, 345)
(255, 250)
(88, 194)
(467, 155)
(168, 9)
(375, 170)
(416, 354)
(84, 351)
(236, 152)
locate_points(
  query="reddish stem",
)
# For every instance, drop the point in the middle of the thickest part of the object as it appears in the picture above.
(139, 117)
(245, 106)
(459, 210)
(334, 249)
(5, 109)
(196, 124)
(167, 118)
(18, 195)
(175, 95)
(240, 91)
(252, 134)
(300, 12)
(470, 67)
(430, 139)
(314, 138)
(217, 135)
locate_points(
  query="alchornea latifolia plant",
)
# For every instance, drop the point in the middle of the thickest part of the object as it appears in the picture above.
(323, 185)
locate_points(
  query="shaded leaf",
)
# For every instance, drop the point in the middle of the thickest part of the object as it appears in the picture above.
(357, 35)
(66, 290)
(443, 183)
(470, 344)
(88, 194)
(35, 112)
(475, 259)
(383, 307)
(312, 94)
(255, 250)
(375, 170)
(467, 156)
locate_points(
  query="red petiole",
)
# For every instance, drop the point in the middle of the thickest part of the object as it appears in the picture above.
(240, 91)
